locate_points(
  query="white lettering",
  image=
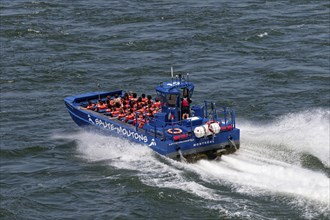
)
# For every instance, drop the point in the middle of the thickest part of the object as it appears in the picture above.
(203, 143)
(118, 129)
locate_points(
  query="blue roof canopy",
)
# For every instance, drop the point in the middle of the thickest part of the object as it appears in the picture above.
(174, 87)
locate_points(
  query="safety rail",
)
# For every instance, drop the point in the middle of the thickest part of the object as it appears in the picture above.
(162, 129)
(225, 114)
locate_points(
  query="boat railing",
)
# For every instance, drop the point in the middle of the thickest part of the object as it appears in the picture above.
(159, 128)
(226, 115)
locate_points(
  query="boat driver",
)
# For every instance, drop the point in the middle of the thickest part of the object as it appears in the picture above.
(185, 107)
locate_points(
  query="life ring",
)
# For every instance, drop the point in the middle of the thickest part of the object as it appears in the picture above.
(174, 131)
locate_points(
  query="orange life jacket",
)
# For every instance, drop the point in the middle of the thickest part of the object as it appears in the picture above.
(101, 106)
(121, 115)
(157, 105)
(129, 117)
(115, 113)
(91, 106)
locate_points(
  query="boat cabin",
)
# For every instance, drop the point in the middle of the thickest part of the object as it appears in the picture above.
(171, 94)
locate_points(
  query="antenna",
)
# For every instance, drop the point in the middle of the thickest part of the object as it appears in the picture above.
(99, 86)
(172, 73)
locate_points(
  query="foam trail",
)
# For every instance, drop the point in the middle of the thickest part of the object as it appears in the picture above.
(250, 177)
(123, 154)
(268, 162)
(303, 132)
(250, 172)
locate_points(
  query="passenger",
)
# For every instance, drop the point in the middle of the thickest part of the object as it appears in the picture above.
(101, 105)
(147, 107)
(117, 99)
(123, 107)
(114, 112)
(134, 97)
(144, 99)
(117, 106)
(155, 111)
(91, 105)
(130, 117)
(108, 100)
(139, 100)
(130, 95)
(131, 105)
(125, 104)
(121, 114)
(140, 107)
(112, 103)
(135, 106)
(157, 104)
(150, 113)
(149, 99)
(126, 97)
(140, 121)
(108, 104)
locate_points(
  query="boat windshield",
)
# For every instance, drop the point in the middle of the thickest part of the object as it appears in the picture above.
(161, 98)
(172, 98)
(185, 92)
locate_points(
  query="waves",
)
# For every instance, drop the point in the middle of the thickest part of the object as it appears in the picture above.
(292, 135)
(286, 161)
(262, 176)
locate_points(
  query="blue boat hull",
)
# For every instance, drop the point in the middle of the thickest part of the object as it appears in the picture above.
(191, 148)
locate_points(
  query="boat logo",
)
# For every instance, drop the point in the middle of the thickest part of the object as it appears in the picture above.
(119, 129)
(153, 143)
(90, 120)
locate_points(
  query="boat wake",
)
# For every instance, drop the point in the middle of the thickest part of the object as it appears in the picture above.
(286, 161)
(291, 136)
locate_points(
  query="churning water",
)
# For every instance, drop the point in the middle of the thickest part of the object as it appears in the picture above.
(267, 59)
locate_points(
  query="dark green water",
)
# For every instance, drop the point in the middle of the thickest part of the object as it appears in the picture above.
(267, 59)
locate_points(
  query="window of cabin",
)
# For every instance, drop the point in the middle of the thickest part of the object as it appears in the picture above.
(185, 92)
(172, 98)
(161, 97)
